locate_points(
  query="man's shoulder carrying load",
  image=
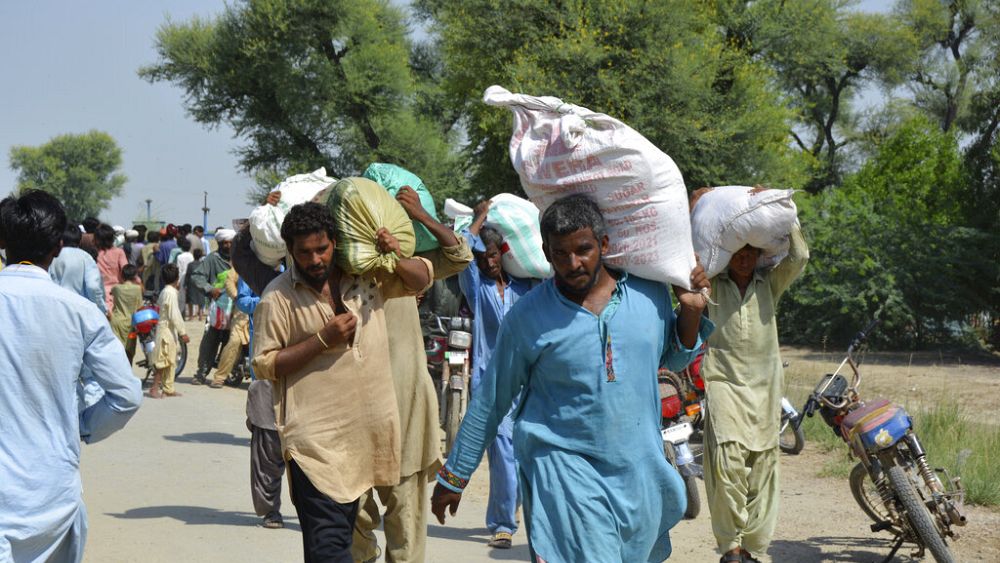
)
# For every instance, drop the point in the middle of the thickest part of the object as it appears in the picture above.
(393, 178)
(265, 220)
(360, 207)
(728, 218)
(559, 149)
(516, 219)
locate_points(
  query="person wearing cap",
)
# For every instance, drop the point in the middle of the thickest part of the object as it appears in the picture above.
(131, 239)
(203, 279)
(168, 242)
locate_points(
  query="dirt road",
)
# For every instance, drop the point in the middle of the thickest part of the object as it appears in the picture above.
(174, 486)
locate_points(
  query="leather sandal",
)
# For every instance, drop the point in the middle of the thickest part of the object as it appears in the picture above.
(731, 558)
(747, 558)
(502, 540)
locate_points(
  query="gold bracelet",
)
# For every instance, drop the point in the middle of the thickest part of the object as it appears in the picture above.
(323, 342)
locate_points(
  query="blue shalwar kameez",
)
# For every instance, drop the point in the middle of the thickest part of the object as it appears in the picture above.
(52, 344)
(595, 484)
(488, 311)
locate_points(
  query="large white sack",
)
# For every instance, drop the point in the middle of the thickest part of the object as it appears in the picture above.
(265, 220)
(517, 221)
(560, 149)
(727, 218)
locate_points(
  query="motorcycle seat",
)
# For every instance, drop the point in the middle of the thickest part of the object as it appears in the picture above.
(864, 412)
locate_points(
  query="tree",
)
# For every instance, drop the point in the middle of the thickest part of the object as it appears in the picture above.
(661, 67)
(954, 56)
(80, 170)
(895, 237)
(822, 54)
(308, 83)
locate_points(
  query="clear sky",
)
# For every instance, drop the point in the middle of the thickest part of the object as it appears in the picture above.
(69, 66)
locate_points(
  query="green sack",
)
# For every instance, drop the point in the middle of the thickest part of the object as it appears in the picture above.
(360, 207)
(393, 178)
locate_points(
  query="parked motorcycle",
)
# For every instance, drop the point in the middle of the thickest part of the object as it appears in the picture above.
(791, 437)
(144, 322)
(676, 430)
(241, 370)
(447, 348)
(893, 483)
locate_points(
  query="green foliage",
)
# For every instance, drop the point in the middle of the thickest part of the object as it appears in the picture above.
(893, 239)
(964, 447)
(822, 54)
(662, 67)
(957, 58)
(309, 83)
(80, 170)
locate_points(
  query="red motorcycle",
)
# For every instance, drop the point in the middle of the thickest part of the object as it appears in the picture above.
(144, 322)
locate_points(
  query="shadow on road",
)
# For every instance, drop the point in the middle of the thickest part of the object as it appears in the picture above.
(480, 536)
(210, 438)
(197, 516)
(856, 550)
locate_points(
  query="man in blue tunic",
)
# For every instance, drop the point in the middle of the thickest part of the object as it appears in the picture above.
(585, 347)
(491, 292)
(51, 341)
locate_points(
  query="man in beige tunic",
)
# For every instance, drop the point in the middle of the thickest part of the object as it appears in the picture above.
(320, 335)
(406, 504)
(745, 382)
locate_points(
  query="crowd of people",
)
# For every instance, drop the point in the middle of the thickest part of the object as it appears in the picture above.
(564, 396)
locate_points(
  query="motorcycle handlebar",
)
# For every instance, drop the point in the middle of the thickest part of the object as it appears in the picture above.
(863, 334)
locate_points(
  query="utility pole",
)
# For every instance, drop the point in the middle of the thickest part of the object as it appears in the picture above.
(204, 210)
(149, 211)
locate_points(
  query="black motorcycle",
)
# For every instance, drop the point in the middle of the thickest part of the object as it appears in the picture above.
(894, 483)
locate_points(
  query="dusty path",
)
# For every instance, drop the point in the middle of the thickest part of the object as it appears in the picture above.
(174, 486)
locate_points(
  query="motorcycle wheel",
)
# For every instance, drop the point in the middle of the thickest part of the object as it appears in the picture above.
(693, 498)
(868, 498)
(182, 356)
(920, 519)
(791, 440)
(453, 419)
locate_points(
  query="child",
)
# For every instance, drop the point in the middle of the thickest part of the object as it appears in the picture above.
(184, 259)
(166, 341)
(194, 297)
(127, 297)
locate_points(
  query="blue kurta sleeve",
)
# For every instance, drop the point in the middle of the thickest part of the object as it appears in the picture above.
(676, 356)
(246, 299)
(507, 373)
(94, 285)
(469, 279)
(105, 364)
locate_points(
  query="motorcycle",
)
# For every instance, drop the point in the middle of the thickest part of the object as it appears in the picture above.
(144, 322)
(447, 349)
(893, 482)
(241, 370)
(791, 437)
(676, 429)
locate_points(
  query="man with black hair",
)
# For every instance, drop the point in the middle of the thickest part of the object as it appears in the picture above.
(491, 292)
(320, 333)
(203, 279)
(42, 517)
(584, 347)
(76, 270)
(87, 242)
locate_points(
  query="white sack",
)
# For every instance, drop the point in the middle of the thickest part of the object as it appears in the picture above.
(265, 220)
(517, 221)
(560, 149)
(728, 218)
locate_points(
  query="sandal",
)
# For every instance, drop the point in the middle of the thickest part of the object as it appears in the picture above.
(273, 521)
(501, 540)
(731, 558)
(215, 385)
(747, 558)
